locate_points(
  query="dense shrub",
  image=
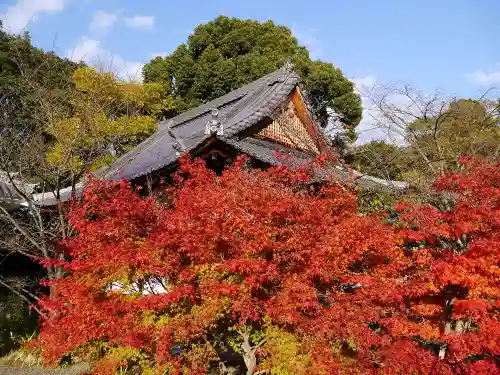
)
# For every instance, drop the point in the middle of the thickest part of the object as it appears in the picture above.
(17, 322)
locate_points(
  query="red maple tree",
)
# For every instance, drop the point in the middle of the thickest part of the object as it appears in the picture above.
(255, 271)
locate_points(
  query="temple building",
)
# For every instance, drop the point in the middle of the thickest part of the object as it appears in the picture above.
(268, 119)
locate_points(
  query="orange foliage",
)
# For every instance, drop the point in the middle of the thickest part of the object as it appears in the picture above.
(250, 249)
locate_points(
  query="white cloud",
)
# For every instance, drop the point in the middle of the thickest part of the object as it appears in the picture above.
(85, 50)
(17, 17)
(307, 38)
(102, 21)
(372, 126)
(140, 22)
(486, 78)
(91, 52)
(364, 83)
(159, 54)
(388, 109)
(127, 70)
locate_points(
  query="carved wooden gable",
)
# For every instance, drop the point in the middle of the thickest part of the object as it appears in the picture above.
(289, 127)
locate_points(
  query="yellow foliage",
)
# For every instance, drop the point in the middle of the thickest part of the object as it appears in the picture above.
(121, 358)
(74, 136)
(285, 356)
(163, 321)
(198, 357)
(106, 112)
(58, 156)
(97, 89)
(211, 272)
(102, 162)
(132, 126)
(150, 97)
(125, 353)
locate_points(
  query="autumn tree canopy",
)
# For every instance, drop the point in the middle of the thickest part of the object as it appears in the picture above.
(108, 118)
(252, 271)
(465, 127)
(226, 53)
(432, 138)
(58, 120)
(379, 159)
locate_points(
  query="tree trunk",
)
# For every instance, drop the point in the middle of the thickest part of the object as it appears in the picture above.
(248, 354)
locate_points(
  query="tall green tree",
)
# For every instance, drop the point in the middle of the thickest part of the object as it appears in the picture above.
(379, 159)
(34, 84)
(227, 53)
(466, 126)
(434, 141)
(436, 129)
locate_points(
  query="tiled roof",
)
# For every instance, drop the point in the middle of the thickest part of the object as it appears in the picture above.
(7, 192)
(270, 152)
(276, 154)
(49, 198)
(237, 110)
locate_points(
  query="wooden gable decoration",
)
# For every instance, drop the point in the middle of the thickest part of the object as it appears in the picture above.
(288, 130)
(293, 127)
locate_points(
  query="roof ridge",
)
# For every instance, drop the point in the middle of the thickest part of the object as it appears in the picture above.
(224, 100)
(237, 111)
(263, 104)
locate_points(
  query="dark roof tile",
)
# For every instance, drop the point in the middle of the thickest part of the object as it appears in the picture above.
(7, 192)
(276, 154)
(238, 110)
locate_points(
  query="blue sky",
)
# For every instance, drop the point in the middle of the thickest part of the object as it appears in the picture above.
(439, 44)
